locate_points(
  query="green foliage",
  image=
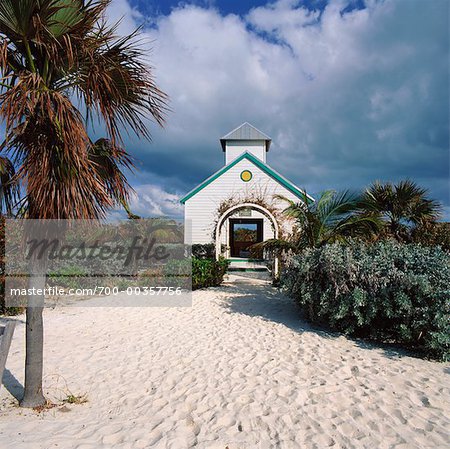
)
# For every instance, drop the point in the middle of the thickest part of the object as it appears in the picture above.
(402, 206)
(204, 250)
(68, 276)
(123, 283)
(58, 58)
(208, 272)
(73, 399)
(432, 234)
(177, 273)
(333, 217)
(386, 291)
(7, 311)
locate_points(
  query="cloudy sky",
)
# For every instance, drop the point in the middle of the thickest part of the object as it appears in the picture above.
(349, 90)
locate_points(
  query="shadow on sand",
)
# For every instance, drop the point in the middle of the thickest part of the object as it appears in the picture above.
(12, 384)
(260, 299)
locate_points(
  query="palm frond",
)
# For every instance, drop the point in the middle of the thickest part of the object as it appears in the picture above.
(333, 217)
(48, 50)
(117, 85)
(9, 189)
(401, 204)
(51, 147)
(332, 206)
(109, 161)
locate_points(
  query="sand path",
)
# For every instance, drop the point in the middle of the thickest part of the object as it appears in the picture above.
(237, 370)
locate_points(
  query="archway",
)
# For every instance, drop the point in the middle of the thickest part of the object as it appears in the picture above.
(229, 212)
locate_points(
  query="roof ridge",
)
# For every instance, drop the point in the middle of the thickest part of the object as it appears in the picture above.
(259, 163)
(229, 134)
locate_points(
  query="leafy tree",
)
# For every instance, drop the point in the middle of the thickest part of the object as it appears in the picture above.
(402, 207)
(56, 57)
(432, 234)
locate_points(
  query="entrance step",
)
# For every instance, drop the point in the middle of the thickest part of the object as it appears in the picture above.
(262, 275)
(254, 268)
(247, 264)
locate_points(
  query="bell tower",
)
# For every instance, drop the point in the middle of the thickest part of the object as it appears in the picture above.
(245, 138)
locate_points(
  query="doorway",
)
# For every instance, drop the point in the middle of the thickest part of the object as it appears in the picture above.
(245, 232)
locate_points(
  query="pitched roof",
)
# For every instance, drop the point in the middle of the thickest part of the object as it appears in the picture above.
(246, 132)
(260, 164)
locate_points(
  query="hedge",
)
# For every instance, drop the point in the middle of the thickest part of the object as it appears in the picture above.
(386, 291)
(205, 272)
(204, 250)
(208, 272)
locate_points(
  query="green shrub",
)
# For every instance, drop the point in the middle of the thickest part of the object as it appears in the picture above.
(7, 311)
(71, 276)
(204, 250)
(122, 283)
(208, 272)
(432, 234)
(177, 273)
(387, 291)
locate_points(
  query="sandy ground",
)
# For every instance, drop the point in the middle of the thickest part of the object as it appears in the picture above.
(237, 370)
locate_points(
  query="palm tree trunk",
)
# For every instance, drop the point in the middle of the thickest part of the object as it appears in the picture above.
(33, 395)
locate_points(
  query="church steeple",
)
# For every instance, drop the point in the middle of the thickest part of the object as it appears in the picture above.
(245, 138)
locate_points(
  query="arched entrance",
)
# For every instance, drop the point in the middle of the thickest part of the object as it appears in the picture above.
(227, 220)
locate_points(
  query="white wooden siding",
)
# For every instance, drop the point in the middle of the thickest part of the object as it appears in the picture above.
(234, 148)
(201, 209)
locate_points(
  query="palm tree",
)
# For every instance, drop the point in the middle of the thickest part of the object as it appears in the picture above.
(57, 56)
(402, 206)
(333, 217)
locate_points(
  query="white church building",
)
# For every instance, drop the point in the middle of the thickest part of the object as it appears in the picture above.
(237, 206)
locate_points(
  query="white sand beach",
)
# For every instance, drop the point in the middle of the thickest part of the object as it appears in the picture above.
(237, 370)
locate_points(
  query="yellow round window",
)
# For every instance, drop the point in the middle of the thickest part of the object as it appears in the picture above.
(246, 175)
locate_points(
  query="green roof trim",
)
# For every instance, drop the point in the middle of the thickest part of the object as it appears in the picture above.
(260, 164)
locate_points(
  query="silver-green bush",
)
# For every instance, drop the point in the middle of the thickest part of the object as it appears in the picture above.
(386, 291)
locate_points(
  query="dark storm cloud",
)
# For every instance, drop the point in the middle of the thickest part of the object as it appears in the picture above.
(348, 95)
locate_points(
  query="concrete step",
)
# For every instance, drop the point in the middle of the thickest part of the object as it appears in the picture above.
(247, 265)
(251, 268)
(262, 275)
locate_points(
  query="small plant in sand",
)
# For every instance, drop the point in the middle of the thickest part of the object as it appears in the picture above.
(74, 399)
(60, 394)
